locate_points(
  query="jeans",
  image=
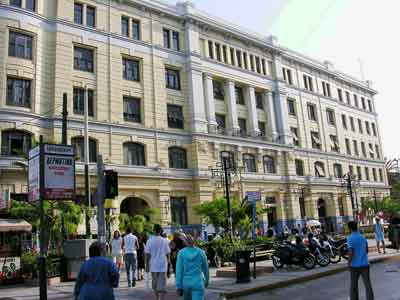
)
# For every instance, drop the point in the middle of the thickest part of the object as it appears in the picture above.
(193, 294)
(130, 266)
(355, 274)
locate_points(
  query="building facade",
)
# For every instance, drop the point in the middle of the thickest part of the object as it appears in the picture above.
(169, 89)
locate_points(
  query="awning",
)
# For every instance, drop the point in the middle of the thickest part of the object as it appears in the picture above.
(14, 225)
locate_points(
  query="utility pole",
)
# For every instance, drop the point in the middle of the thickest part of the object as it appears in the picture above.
(227, 195)
(101, 225)
(350, 190)
(86, 150)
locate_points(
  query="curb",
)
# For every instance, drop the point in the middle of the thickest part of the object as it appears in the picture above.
(286, 283)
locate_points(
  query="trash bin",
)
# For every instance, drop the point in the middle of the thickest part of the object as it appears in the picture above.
(242, 266)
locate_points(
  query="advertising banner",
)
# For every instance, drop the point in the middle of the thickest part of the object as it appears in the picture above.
(10, 267)
(34, 179)
(59, 177)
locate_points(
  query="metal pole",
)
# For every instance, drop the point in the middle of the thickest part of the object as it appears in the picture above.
(254, 238)
(227, 194)
(86, 150)
(42, 255)
(101, 228)
(64, 120)
(376, 202)
(350, 189)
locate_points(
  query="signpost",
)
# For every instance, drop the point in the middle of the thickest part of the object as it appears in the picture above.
(253, 197)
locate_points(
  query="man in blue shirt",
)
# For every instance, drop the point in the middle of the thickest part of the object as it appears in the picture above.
(358, 262)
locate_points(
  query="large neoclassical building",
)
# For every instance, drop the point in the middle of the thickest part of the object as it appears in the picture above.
(169, 89)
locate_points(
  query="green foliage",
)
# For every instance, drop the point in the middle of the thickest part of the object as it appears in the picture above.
(29, 263)
(215, 213)
(139, 223)
(390, 207)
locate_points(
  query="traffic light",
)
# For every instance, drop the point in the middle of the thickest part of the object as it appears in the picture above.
(111, 184)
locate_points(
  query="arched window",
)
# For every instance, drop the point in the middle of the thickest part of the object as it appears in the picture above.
(269, 164)
(15, 143)
(79, 145)
(249, 163)
(230, 158)
(319, 169)
(177, 158)
(134, 154)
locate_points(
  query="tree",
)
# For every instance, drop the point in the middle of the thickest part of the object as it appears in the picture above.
(389, 206)
(139, 223)
(215, 213)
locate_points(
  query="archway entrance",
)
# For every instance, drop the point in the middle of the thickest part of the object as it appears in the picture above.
(133, 206)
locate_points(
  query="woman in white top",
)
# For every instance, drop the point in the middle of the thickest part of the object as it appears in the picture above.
(116, 249)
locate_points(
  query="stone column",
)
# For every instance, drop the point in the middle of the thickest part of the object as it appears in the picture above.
(277, 62)
(270, 111)
(210, 104)
(280, 100)
(252, 111)
(232, 108)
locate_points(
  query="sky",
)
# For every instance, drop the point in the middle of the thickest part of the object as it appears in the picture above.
(345, 32)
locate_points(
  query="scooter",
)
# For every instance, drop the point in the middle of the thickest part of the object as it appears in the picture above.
(286, 253)
(321, 254)
(334, 254)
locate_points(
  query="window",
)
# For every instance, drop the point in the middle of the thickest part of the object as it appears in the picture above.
(295, 136)
(351, 169)
(232, 53)
(319, 169)
(315, 140)
(172, 79)
(287, 75)
(373, 129)
(374, 175)
(30, 5)
(341, 206)
(334, 143)
(136, 29)
(371, 151)
(367, 128)
(83, 59)
(355, 100)
(179, 210)
(259, 100)
(220, 119)
(239, 58)
(20, 45)
(299, 167)
(211, 49)
(340, 95)
(378, 153)
(79, 145)
(15, 143)
(302, 205)
(19, 92)
(367, 174)
(243, 127)
(337, 170)
(225, 53)
(125, 26)
(380, 175)
(291, 106)
(348, 148)
(352, 126)
(344, 121)
(177, 158)
(78, 13)
(249, 163)
(261, 127)
(263, 66)
(364, 106)
(175, 116)
(132, 109)
(326, 89)
(134, 154)
(370, 106)
(218, 89)
(269, 164)
(308, 83)
(17, 3)
(359, 173)
(312, 113)
(330, 115)
(218, 51)
(167, 38)
(90, 16)
(348, 97)
(363, 149)
(130, 69)
(355, 146)
(360, 127)
(230, 159)
(245, 61)
(175, 41)
(239, 95)
(258, 67)
(79, 101)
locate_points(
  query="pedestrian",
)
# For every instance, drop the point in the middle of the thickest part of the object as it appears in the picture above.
(116, 249)
(97, 277)
(157, 260)
(140, 256)
(379, 236)
(130, 245)
(192, 275)
(178, 243)
(358, 262)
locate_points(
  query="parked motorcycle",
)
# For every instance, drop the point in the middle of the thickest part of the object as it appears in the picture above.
(341, 246)
(328, 244)
(286, 253)
(322, 256)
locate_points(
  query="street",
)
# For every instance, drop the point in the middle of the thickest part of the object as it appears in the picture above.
(385, 279)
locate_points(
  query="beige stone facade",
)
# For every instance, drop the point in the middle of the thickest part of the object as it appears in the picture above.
(206, 53)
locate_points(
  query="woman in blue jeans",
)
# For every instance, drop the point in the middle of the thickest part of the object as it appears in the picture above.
(192, 274)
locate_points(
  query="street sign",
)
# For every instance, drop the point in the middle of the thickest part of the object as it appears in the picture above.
(34, 176)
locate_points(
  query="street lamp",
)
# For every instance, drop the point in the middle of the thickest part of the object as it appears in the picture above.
(350, 182)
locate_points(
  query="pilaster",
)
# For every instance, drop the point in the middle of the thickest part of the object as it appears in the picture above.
(210, 103)
(232, 108)
(252, 111)
(282, 121)
(270, 111)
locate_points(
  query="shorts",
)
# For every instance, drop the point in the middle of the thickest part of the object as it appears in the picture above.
(117, 259)
(159, 282)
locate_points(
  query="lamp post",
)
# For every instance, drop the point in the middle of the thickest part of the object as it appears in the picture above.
(350, 181)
